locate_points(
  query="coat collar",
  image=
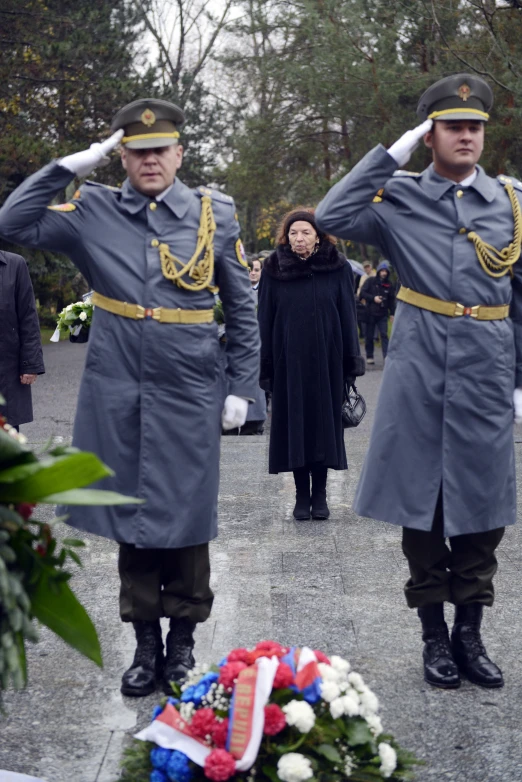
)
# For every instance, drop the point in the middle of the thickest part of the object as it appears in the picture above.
(177, 199)
(435, 186)
(3, 259)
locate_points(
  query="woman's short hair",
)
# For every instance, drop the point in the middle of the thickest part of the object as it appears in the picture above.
(304, 213)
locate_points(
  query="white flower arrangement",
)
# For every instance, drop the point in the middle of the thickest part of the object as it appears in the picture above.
(72, 319)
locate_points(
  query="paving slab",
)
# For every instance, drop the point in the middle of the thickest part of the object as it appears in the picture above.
(335, 585)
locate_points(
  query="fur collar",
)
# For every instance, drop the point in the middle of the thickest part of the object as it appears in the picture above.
(284, 264)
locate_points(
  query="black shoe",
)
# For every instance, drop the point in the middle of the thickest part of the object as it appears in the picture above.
(302, 494)
(147, 667)
(440, 669)
(469, 651)
(179, 659)
(320, 508)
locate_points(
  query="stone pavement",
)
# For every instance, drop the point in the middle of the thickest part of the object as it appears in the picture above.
(335, 585)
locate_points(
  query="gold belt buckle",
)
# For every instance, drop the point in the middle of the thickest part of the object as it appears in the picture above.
(139, 310)
(470, 312)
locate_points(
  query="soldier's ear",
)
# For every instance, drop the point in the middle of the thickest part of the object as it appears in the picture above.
(123, 155)
(428, 139)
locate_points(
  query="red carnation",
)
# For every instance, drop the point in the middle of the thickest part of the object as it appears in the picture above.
(25, 509)
(284, 676)
(228, 673)
(220, 733)
(238, 655)
(202, 723)
(219, 765)
(275, 719)
(268, 645)
(321, 657)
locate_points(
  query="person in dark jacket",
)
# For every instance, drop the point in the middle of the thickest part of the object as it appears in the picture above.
(379, 294)
(21, 359)
(310, 348)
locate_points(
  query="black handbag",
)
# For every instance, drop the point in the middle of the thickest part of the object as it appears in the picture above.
(354, 407)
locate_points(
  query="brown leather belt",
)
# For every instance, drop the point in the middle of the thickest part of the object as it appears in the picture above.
(161, 314)
(452, 309)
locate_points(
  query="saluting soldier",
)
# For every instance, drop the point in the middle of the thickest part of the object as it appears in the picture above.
(150, 406)
(441, 459)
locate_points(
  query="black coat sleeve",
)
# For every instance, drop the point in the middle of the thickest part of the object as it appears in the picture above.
(31, 356)
(353, 363)
(265, 314)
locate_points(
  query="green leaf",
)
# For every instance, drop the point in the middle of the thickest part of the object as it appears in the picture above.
(357, 732)
(329, 752)
(56, 606)
(11, 450)
(271, 773)
(57, 474)
(90, 497)
(73, 543)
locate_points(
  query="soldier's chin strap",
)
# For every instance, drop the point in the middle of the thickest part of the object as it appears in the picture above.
(196, 274)
(497, 263)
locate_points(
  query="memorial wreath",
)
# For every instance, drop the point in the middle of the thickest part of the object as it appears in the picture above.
(74, 320)
(268, 714)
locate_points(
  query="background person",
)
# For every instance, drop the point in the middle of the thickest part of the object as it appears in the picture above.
(21, 357)
(310, 347)
(379, 294)
(150, 403)
(443, 430)
(255, 267)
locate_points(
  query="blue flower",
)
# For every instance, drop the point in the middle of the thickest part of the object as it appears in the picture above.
(312, 693)
(173, 701)
(222, 662)
(157, 711)
(158, 776)
(159, 758)
(178, 769)
(188, 694)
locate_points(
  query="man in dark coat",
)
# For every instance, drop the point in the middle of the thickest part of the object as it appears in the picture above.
(310, 348)
(21, 358)
(150, 404)
(379, 294)
(441, 461)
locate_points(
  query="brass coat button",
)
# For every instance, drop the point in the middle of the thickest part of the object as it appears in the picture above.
(460, 193)
(154, 243)
(153, 206)
(462, 230)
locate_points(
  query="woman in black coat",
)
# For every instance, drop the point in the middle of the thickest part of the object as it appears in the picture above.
(310, 348)
(21, 358)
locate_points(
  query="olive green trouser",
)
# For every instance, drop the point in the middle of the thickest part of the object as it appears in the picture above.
(460, 573)
(164, 582)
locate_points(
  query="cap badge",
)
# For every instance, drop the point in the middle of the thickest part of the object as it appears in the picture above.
(464, 92)
(149, 118)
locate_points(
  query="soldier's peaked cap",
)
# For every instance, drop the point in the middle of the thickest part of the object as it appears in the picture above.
(149, 122)
(461, 96)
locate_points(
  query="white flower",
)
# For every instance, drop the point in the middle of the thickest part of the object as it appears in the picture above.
(301, 715)
(83, 316)
(351, 704)
(388, 758)
(357, 681)
(337, 708)
(294, 767)
(341, 665)
(330, 691)
(328, 674)
(349, 765)
(369, 702)
(374, 723)
(186, 710)
(69, 307)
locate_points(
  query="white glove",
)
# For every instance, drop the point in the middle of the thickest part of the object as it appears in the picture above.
(403, 149)
(82, 163)
(234, 412)
(517, 404)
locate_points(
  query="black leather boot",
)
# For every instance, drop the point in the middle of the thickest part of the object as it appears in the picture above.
(320, 508)
(468, 649)
(302, 494)
(178, 658)
(440, 669)
(147, 667)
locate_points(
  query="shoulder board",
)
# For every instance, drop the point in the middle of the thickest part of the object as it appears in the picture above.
(89, 183)
(68, 207)
(402, 173)
(216, 195)
(509, 180)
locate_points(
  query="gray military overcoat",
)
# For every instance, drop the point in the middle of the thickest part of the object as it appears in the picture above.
(151, 394)
(445, 413)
